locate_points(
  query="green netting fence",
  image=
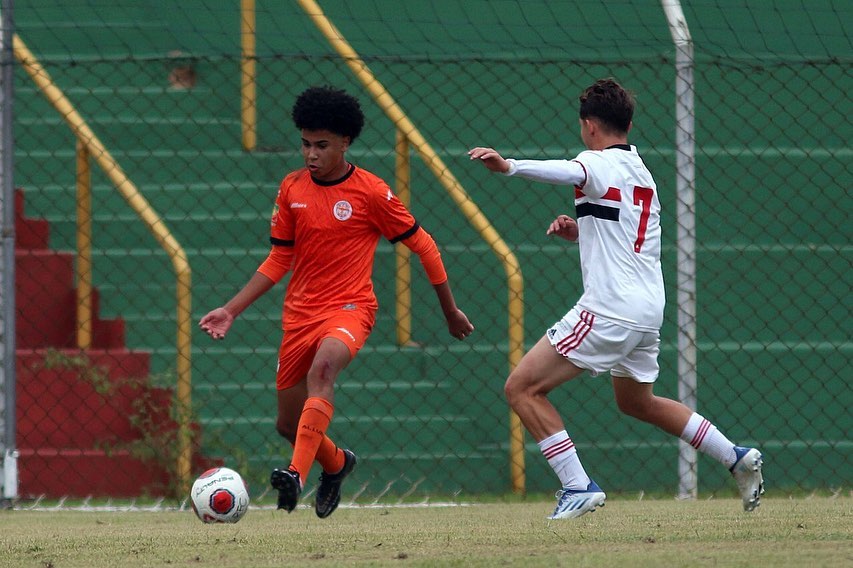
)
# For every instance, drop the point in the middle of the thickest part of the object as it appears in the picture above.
(160, 84)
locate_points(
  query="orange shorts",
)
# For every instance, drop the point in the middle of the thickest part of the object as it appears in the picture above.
(299, 345)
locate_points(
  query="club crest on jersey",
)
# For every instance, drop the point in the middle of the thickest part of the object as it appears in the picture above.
(342, 210)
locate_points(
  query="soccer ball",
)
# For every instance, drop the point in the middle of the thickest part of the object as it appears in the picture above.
(220, 495)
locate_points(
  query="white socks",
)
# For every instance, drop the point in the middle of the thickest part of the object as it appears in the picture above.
(562, 456)
(705, 437)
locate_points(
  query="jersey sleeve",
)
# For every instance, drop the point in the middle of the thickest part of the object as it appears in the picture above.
(557, 172)
(594, 166)
(277, 263)
(422, 244)
(391, 217)
(281, 222)
(397, 224)
(280, 258)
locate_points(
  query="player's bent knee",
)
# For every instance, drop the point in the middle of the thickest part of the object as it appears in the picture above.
(320, 374)
(516, 389)
(509, 390)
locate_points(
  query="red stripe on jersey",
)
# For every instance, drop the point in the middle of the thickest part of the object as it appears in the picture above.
(578, 193)
(613, 194)
(558, 448)
(700, 434)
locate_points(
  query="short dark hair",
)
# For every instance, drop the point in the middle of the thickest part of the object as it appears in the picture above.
(327, 108)
(607, 101)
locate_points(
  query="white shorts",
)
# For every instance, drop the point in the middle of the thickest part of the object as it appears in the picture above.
(599, 345)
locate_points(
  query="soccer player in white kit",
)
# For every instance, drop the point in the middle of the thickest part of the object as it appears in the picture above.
(616, 322)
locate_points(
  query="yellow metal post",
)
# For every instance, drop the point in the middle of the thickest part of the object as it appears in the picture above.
(402, 170)
(516, 352)
(84, 248)
(248, 98)
(155, 225)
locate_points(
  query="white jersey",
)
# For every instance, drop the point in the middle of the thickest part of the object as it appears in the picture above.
(618, 215)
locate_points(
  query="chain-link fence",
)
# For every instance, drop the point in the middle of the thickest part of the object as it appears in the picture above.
(159, 84)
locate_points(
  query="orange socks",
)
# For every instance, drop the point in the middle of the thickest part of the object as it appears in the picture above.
(311, 439)
(329, 456)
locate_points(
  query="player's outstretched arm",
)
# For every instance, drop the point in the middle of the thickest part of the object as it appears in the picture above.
(556, 172)
(457, 322)
(565, 227)
(489, 158)
(422, 244)
(217, 322)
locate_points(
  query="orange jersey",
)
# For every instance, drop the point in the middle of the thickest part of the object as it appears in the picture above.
(333, 229)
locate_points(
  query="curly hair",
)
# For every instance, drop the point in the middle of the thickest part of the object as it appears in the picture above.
(607, 101)
(327, 108)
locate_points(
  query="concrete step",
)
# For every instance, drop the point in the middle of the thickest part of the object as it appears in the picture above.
(73, 399)
(92, 29)
(46, 303)
(149, 133)
(37, 167)
(30, 233)
(62, 472)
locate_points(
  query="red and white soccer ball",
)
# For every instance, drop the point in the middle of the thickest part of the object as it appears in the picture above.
(220, 495)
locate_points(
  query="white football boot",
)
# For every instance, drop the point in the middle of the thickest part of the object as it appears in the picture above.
(573, 503)
(747, 473)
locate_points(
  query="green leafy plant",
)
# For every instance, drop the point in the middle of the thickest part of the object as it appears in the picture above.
(151, 416)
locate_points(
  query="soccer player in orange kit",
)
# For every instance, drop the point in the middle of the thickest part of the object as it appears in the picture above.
(325, 227)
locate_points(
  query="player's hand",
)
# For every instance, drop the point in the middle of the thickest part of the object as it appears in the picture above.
(490, 158)
(216, 323)
(458, 324)
(565, 227)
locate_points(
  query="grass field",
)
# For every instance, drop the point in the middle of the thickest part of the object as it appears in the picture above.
(807, 531)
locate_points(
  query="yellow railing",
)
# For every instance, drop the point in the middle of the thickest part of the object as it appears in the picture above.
(407, 135)
(89, 146)
(84, 247)
(403, 279)
(248, 99)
